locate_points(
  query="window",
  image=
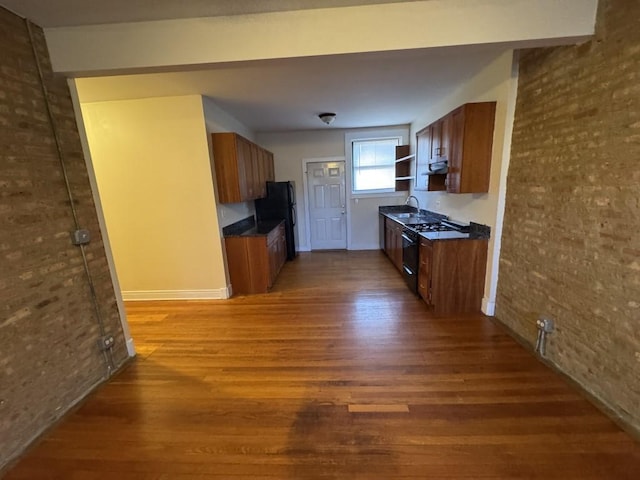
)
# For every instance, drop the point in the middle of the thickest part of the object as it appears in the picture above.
(374, 164)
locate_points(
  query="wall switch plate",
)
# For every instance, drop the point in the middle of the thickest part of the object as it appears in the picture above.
(81, 237)
(545, 324)
(106, 342)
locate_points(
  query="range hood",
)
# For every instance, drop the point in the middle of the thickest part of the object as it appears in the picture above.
(437, 168)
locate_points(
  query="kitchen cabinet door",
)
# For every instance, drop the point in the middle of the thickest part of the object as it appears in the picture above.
(456, 271)
(393, 242)
(435, 132)
(423, 155)
(242, 168)
(432, 144)
(424, 269)
(397, 260)
(247, 164)
(255, 261)
(396, 245)
(269, 170)
(471, 148)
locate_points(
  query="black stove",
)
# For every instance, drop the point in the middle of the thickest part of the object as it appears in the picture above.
(410, 246)
(431, 227)
(441, 226)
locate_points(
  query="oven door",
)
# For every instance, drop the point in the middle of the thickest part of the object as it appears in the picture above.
(410, 261)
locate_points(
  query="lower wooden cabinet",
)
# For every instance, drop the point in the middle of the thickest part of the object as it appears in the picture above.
(255, 261)
(451, 274)
(393, 242)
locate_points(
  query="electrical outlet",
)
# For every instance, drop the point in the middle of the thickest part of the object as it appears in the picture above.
(106, 342)
(80, 237)
(545, 324)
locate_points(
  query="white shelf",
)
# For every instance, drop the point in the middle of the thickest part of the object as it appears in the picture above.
(404, 159)
(405, 178)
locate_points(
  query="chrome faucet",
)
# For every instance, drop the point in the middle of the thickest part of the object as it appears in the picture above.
(414, 197)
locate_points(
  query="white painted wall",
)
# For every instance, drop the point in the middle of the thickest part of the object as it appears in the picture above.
(153, 173)
(367, 28)
(495, 83)
(217, 120)
(291, 148)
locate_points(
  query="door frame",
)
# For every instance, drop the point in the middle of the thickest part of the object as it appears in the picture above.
(305, 188)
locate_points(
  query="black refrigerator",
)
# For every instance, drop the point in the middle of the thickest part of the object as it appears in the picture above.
(280, 203)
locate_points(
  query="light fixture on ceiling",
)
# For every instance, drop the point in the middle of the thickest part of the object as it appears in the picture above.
(327, 118)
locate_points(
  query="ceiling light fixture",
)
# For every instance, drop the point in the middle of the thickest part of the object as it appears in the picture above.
(327, 117)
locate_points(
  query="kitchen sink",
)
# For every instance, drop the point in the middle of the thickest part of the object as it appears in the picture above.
(411, 217)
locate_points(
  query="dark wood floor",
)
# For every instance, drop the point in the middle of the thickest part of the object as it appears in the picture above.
(340, 373)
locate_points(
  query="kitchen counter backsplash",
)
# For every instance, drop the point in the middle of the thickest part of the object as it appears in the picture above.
(391, 209)
(239, 227)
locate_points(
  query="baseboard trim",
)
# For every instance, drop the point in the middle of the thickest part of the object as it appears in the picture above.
(364, 247)
(303, 249)
(211, 294)
(615, 415)
(60, 415)
(488, 307)
(131, 348)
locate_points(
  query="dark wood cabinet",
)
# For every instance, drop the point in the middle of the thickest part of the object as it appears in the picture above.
(423, 156)
(433, 146)
(277, 251)
(242, 168)
(255, 261)
(451, 274)
(464, 140)
(393, 242)
(471, 145)
(424, 270)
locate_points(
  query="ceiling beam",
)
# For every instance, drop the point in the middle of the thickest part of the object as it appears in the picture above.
(189, 43)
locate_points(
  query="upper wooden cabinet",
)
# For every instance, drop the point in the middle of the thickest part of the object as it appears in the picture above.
(242, 168)
(471, 145)
(454, 153)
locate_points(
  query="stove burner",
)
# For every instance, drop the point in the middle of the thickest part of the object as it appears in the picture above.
(431, 227)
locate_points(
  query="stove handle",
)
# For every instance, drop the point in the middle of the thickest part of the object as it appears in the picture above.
(408, 239)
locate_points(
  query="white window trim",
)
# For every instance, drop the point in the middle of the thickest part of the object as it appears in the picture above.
(370, 134)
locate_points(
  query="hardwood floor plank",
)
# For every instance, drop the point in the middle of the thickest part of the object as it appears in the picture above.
(262, 387)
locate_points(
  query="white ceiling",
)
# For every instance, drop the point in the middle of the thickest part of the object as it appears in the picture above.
(374, 89)
(371, 89)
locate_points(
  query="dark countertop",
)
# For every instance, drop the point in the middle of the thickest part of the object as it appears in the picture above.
(476, 230)
(449, 235)
(390, 210)
(248, 227)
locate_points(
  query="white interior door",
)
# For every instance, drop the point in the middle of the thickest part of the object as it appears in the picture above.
(327, 205)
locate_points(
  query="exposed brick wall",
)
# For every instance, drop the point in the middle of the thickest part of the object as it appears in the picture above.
(571, 241)
(49, 357)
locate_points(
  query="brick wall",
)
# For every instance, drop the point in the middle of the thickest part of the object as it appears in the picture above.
(49, 357)
(571, 241)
